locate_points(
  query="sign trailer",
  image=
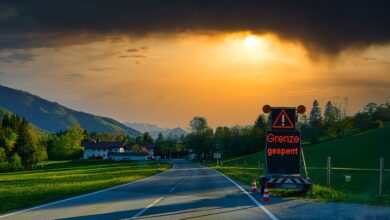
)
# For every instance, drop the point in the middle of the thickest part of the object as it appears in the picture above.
(285, 165)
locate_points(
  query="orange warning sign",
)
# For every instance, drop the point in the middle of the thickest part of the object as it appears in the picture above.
(283, 120)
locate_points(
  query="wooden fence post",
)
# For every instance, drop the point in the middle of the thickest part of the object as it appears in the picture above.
(381, 170)
(328, 171)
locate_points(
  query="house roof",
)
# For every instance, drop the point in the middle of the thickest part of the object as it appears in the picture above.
(127, 154)
(102, 145)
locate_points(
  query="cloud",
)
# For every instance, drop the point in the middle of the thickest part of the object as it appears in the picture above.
(132, 50)
(327, 26)
(366, 83)
(102, 69)
(132, 56)
(75, 75)
(18, 57)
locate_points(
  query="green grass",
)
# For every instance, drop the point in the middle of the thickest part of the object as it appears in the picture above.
(62, 179)
(355, 151)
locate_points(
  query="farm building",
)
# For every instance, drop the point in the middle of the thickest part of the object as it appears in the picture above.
(102, 150)
(99, 150)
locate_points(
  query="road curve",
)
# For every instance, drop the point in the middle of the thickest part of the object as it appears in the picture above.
(187, 191)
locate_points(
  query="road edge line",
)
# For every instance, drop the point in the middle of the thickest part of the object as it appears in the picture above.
(261, 206)
(84, 195)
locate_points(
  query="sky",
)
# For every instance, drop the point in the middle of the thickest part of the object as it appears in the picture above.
(164, 62)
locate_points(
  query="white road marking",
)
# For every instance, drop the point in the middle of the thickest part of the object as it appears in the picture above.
(180, 182)
(81, 196)
(156, 201)
(146, 208)
(265, 210)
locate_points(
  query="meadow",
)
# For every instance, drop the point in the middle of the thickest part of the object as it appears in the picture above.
(57, 180)
(350, 156)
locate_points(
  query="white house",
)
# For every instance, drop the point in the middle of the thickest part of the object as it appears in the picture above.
(100, 150)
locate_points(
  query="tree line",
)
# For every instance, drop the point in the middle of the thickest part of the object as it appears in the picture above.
(23, 146)
(315, 126)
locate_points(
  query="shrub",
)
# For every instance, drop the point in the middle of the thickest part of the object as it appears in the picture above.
(15, 163)
(378, 124)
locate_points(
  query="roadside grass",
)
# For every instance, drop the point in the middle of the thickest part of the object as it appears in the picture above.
(364, 189)
(355, 151)
(63, 179)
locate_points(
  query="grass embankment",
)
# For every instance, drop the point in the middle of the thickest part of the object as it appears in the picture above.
(356, 151)
(63, 179)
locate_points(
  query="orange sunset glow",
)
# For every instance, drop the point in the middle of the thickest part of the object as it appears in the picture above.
(173, 78)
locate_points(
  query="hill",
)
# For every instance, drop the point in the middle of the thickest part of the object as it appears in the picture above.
(53, 117)
(358, 151)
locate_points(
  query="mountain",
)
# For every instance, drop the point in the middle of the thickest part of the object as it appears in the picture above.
(154, 130)
(53, 117)
(176, 132)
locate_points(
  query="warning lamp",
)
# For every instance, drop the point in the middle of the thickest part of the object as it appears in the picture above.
(301, 109)
(267, 109)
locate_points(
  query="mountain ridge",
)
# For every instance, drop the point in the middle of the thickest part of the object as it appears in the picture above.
(53, 117)
(154, 130)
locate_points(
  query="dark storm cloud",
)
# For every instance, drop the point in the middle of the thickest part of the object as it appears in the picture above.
(327, 26)
(17, 57)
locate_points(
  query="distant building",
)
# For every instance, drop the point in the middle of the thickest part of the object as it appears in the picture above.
(116, 151)
(100, 150)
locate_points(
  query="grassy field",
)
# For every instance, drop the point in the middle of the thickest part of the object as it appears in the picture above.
(63, 179)
(356, 151)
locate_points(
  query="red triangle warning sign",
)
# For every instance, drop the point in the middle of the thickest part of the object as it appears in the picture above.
(283, 121)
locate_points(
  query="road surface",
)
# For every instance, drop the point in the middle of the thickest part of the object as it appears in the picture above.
(191, 191)
(187, 191)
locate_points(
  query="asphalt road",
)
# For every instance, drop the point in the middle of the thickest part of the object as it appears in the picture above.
(187, 191)
(191, 191)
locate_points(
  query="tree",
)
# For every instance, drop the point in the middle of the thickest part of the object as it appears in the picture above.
(329, 112)
(222, 135)
(134, 148)
(146, 138)
(261, 122)
(3, 160)
(363, 122)
(315, 115)
(26, 145)
(159, 145)
(371, 108)
(198, 124)
(15, 162)
(67, 145)
(341, 107)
